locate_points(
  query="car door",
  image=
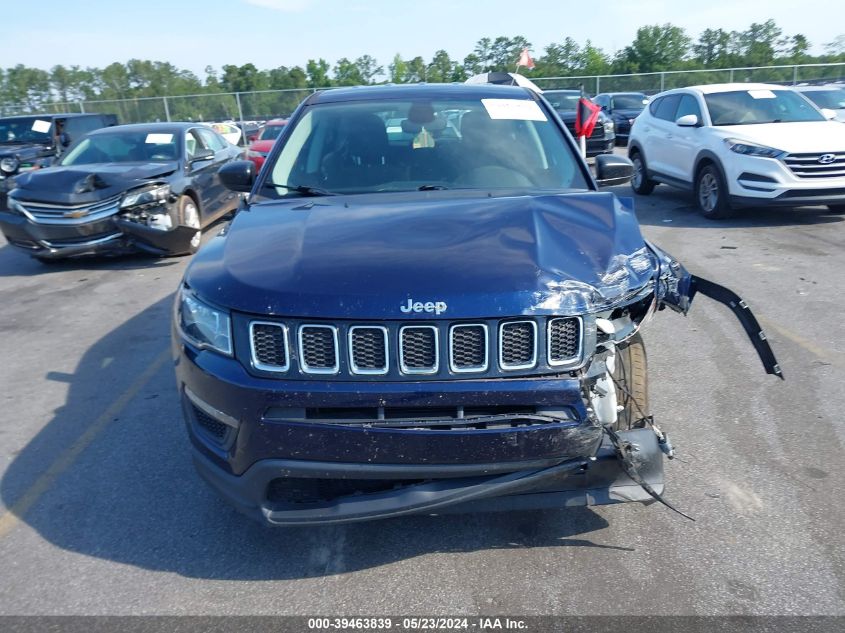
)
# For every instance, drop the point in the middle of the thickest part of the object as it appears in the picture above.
(659, 130)
(201, 172)
(683, 142)
(223, 199)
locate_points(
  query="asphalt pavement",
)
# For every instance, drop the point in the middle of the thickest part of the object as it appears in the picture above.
(102, 513)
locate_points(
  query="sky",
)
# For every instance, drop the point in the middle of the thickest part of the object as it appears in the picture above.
(193, 34)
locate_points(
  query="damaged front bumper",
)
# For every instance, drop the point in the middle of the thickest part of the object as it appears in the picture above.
(110, 235)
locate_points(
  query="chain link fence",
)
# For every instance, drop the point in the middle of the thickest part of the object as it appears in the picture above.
(268, 104)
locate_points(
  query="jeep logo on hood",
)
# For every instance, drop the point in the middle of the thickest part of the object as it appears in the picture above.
(418, 306)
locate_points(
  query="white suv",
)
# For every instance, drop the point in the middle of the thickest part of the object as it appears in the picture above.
(740, 145)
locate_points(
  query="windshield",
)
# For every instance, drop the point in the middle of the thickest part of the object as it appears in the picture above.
(26, 130)
(393, 145)
(635, 101)
(748, 107)
(271, 132)
(124, 147)
(833, 99)
(563, 99)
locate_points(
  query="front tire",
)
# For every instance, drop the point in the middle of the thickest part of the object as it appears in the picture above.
(631, 379)
(640, 183)
(188, 215)
(711, 194)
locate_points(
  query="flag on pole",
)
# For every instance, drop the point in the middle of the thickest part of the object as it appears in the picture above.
(586, 116)
(525, 60)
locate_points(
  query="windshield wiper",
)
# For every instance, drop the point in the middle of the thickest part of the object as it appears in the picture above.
(431, 187)
(303, 189)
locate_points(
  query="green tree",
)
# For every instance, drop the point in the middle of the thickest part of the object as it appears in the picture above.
(397, 69)
(347, 73)
(317, 72)
(656, 47)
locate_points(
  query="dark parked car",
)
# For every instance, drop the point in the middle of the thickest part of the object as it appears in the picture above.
(565, 103)
(444, 324)
(623, 108)
(31, 142)
(149, 187)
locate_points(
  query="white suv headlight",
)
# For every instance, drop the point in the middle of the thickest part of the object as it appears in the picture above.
(752, 149)
(203, 326)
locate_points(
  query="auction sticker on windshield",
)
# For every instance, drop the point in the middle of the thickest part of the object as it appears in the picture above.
(762, 94)
(514, 109)
(41, 126)
(159, 138)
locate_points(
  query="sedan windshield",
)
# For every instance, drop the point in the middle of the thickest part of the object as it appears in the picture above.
(25, 130)
(563, 99)
(393, 145)
(635, 101)
(833, 99)
(748, 107)
(124, 147)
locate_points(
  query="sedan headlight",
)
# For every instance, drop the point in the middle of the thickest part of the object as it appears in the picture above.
(9, 164)
(149, 195)
(752, 149)
(203, 326)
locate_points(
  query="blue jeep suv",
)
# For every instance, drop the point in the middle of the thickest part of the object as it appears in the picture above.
(437, 314)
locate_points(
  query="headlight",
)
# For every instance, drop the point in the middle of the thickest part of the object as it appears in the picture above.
(608, 126)
(203, 326)
(752, 149)
(254, 154)
(9, 164)
(145, 196)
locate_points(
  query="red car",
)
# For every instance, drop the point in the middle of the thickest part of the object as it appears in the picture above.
(259, 148)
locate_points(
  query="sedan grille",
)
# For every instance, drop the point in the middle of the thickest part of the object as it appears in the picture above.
(829, 165)
(400, 350)
(318, 352)
(44, 213)
(564, 340)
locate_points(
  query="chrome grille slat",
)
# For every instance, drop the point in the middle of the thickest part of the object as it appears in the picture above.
(419, 349)
(269, 346)
(368, 349)
(808, 165)
(468, 348)
(517, 345)
(44, 213)
(318, 349)
(564, 340)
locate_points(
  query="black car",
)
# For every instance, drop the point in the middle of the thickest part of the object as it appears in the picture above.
(30, 142)
(565, 103)
(444, 322)
(148, 187)
(623, 108)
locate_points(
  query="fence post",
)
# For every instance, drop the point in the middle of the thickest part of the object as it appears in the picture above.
(82, 107)
(662, 82)
(598, 84)
(240, 112)
(795, 75)
(732, 75)
(166, 109)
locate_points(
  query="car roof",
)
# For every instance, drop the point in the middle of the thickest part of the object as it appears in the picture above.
(147, 127)
(417, 91)
(626, 92)
(820, 88)
(732, 87)
(62, 115)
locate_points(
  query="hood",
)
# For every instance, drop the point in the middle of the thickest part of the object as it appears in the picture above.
(262, 146)
(365, 256)
(80, 184)
(795, 138)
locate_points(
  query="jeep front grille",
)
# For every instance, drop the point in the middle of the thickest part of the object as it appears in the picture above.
(468, 348)
(418, 349)
(318, 353)
(399, 350)
(368, 349)
(809, 165)
(517, 345)
(564, 340)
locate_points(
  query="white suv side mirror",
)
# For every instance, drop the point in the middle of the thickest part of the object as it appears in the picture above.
(688, 120)
(829, 114)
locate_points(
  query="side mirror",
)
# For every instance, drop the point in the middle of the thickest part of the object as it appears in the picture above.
(202, 154)
(688, 120)
(613, 170)
(239, 175)
(829, 114)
